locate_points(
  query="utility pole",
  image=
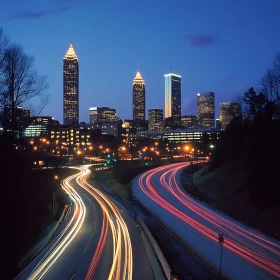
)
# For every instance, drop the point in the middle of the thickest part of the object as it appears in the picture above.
(53, 195)
(221, 240)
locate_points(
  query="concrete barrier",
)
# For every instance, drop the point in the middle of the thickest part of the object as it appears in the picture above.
(165, 266)
(49, 231)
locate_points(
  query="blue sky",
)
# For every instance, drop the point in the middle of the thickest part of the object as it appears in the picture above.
(223, 46)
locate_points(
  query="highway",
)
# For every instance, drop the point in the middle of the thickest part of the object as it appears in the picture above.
(246, 254)
(96, 240)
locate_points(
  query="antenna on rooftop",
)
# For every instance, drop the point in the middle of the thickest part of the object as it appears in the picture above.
(171, 66)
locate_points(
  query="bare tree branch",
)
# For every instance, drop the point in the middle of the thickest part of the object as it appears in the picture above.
(20, 82)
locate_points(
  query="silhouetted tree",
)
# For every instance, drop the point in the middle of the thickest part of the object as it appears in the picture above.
(19, 81)
(255, 103)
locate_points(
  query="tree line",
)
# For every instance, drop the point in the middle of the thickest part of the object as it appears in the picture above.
(19, 82)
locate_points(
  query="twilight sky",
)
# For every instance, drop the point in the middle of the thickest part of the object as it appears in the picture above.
(223, 46)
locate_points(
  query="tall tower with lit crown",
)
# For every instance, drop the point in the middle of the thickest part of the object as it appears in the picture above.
(138, 96)
(70, 87)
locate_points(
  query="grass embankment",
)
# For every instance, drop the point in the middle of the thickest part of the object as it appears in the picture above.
(27, 198)
(225, 188)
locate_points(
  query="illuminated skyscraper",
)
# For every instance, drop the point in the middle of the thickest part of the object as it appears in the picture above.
(229, 111)
(138, 96)
(102, 114)
(70, 87)
(172, 102)
(206, 109)
(155, 120)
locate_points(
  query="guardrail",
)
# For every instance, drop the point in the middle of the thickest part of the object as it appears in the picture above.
(42, 243)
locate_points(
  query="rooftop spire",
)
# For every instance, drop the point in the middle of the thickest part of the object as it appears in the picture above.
(138, 78)
(70, 54)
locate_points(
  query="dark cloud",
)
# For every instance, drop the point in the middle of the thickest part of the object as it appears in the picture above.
(201, 40)
(34, 15)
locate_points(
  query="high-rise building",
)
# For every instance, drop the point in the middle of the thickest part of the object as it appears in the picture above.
(172, 102)
(21, 119)
(218, 125)
(206, 109)
(229, 111)
(70, 87)
(138, 96)
(189, 121)
(155, 120)
(102, 114)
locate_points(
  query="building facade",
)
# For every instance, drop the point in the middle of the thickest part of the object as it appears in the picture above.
(184, 136)
(172, 101)
(155, 118)
(206, 109)
(189, 121)
(70, 87)
(40, 126)
(138, 98)
(229, 111)
(102, 114)
(218, 124)
(21, 119)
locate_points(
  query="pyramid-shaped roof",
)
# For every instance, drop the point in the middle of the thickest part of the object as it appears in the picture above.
(138, 78)
(70, 54)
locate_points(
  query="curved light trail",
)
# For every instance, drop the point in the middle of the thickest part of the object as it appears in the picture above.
(122, 262)
(250, 245)
(121, 267)
(51, 254)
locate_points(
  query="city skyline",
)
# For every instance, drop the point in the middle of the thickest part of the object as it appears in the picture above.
(196, 48)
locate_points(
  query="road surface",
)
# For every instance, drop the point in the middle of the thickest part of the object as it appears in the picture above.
(247, 253)
(96, 240)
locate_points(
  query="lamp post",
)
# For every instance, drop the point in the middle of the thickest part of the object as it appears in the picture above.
(221, 240)
(53, 195)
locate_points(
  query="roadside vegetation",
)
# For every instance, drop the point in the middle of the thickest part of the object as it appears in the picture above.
(26, 200)
(242, 176)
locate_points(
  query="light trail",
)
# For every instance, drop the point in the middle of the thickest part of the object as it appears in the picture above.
(122, 261)
(50, 255)
(250, 245)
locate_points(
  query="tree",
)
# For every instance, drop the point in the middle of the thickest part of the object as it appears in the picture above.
(19, 81)
(271, 85)
(255, 103)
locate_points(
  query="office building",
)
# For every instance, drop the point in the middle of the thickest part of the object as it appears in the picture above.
(70, 87)
(40, 126)
(138, 98)
(218, 125)
(108, 127)
(172, 101)
(21, 118)
(189, 121)
(186, 135)
(102, 114)
(155, 120)
(229, 111)
(206, 109)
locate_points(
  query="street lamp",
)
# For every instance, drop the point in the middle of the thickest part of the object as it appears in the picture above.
(55, 177)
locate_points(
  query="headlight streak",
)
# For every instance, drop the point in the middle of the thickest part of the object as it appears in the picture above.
(122, 261)
(250, 245)
(61, 242)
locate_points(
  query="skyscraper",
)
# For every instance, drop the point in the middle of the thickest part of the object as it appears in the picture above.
(206, 109)
(101, 114)
(155, 120)
(70, 87)
(138, 98)
(189, 121)
(229, 111)
(172, 102)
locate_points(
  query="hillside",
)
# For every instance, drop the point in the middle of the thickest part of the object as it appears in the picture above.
(225, 188)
